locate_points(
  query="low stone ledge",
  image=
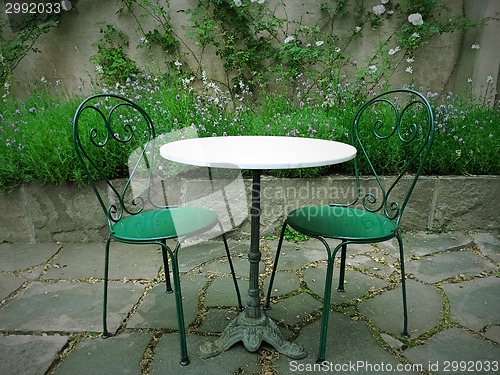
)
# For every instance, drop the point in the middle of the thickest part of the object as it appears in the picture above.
(70, 213)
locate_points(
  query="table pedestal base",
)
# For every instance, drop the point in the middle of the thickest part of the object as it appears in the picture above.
(252, 331)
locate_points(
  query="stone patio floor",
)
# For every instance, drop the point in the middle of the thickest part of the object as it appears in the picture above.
(51, 306)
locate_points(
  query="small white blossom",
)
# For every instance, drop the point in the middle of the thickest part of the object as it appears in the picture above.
(392, 51)
(319, 42)
(43, 79)
(489, 79)
(415, 19)
(371, 69)
(261, 1)
(289, 39)
(357, 29)
(409, 69)
(143, 39)
(337, 49)
(475, 46)
(379, 9)
(469, 80)
(415, 35)
(237, 3)
(177, 63)
(98, 69)
(409, 60)
(384, 1)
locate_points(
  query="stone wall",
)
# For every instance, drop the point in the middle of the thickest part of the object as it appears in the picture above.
(68, 213)
(445, 64)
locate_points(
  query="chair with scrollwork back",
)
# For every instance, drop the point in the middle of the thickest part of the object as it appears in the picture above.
(108, 126)
(400, 122)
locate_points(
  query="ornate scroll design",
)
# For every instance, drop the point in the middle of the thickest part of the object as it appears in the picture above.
(114, 114)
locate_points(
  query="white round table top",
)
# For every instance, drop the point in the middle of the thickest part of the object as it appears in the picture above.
(257, 152)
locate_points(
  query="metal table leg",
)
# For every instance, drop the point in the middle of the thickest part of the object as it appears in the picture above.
(252, 327)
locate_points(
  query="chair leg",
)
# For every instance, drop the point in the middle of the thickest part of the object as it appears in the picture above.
(178, 303)
(105, 333)
(236, 287)
(167, 270)
(275, 266)
(326, 300)
(403, 286)
(342, 268)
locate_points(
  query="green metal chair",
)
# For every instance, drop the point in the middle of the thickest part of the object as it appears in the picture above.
(399, 120)
(108, 126)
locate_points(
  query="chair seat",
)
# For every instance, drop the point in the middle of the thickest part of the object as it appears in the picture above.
(344, 223)
(164, 224)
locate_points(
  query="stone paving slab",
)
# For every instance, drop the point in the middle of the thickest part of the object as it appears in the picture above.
(350, 345)
(158, 309)
(489, 244)
(221, 293)
(355, 283)
(192, 256)
(294, 309)
(68, 307)
(476, 303)
(445, 265)
(84, 260)
(420, 244)
(9, 284)
(386, 310)
(60, 294)
(29, 355)
(117, 355)
(167, 357)
(284, 283)
(454, 345)
(16, 257)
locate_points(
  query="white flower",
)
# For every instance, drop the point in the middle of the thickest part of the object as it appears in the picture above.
(143, 39)
(319, 42)
(384, 1)
(415, 19)
(489, 79)
(379, 9)
(237, 3)
(475, 46)
(43, 79)
(289, 39)
(261, 1)
(357, 29)
(393, 51)
(337, 49)
(469, 80)
(177, 63)
(409, 69)
(371, 69)
(409, 60)
(98, 69)
(415, 35)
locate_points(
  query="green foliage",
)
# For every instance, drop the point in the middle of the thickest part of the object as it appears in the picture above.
(36, 142)
(112, 63)
(18, 37)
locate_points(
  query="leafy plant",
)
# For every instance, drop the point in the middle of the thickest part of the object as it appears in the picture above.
(112, 63)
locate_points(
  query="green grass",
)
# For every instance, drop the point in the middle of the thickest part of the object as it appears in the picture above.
(36, 144)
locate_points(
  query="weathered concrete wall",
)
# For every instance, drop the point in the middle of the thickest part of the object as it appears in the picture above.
(446, 63)
(68, 213)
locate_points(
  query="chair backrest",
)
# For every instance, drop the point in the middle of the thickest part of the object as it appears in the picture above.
(107, 127)
(394, 131)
